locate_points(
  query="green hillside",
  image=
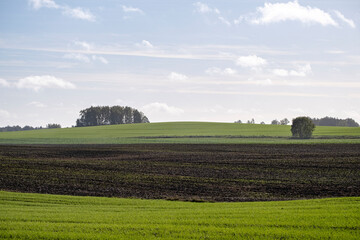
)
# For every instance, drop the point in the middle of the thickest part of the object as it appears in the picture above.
(36, 216)
(178, 132)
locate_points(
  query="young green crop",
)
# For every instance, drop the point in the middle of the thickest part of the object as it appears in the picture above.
(178, 132)
(36, 216)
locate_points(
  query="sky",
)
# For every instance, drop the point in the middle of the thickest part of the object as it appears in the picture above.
(215, 60)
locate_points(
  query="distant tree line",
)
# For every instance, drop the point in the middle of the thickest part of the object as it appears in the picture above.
(25, 128)
(284, 121)
(53, 125)
(326, 121)
(330, 121)
(105, 115)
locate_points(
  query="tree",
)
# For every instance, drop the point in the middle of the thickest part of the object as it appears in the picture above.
(252, 121)
(53, 125)
(137, 116)
(275, 122)
(302, 127)
(238, 121)
(25, 128)
(285, 121)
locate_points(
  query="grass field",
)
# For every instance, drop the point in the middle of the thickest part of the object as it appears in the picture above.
(197, 172)
(178, 132)
(36, 216)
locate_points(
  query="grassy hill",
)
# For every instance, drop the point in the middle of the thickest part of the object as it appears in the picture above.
(36, 216)
(178, 132)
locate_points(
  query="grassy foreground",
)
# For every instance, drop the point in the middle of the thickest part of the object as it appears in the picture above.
(178, 132)
(36, 216)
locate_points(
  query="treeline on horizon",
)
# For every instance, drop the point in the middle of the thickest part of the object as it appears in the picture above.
(105, 115)
(325, 121)
(26, 128)
(330, 121)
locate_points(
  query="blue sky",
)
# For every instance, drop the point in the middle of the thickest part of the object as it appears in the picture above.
(179, 60)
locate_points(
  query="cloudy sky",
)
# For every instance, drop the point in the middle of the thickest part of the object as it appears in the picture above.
(183, 60)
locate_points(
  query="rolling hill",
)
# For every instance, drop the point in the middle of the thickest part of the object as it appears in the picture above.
(178, 132)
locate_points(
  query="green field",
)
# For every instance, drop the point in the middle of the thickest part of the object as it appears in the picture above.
(36, 216)
(178, 132)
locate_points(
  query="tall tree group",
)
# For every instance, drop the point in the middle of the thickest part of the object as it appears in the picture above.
(105, 115)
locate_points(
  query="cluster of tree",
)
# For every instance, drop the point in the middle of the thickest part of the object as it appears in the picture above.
(284, 121)
(25, 128)
(53, 125)
(105, 115)
(330, 121)
(252, 121)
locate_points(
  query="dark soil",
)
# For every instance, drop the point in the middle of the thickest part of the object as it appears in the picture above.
(194, 172)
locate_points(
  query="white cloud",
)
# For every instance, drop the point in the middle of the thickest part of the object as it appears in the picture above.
(157, 107)
(239, 20)
(344, 19)
(4, 83)
(84, 45)
(85, 58)
(77, 56)
(101, 59)
(145, 44)
(229, 71)
(132, 10)
(177, 76)
(79, 13)
(205, 9)
(292, 11)
(301, 71)
(223, 20)
(37, 4)
(219, 71)
(251, 61)
(37, 104)
(281, 72)
(38, 82)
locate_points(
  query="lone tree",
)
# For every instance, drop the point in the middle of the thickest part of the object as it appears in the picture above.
(302, 127)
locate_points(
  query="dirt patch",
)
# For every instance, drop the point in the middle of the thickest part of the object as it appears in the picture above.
(195, 172)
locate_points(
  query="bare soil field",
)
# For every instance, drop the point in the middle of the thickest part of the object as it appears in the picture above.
(194, 172)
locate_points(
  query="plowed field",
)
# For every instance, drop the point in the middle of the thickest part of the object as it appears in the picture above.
(194, 172)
